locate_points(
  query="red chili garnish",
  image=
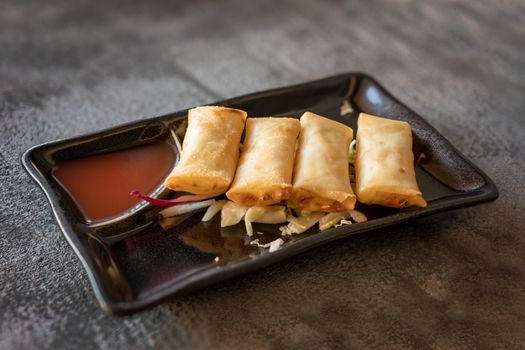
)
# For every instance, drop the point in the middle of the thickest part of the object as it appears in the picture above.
(170, 202)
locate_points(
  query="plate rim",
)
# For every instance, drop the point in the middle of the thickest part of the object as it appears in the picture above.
(488, 192)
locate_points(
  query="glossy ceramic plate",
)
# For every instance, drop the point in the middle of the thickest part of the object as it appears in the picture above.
(132, 263)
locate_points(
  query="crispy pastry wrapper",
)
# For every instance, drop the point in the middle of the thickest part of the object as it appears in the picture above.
(321, 175)
(210, 151)
(384, 164)
(264, 172)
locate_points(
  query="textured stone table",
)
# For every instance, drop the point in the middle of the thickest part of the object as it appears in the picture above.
(454, 280)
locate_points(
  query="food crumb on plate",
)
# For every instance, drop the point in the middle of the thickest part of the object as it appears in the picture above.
(273, 245)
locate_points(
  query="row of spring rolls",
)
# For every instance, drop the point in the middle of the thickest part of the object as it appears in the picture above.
(311, 173)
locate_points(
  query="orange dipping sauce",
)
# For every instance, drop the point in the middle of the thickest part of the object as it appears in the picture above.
(101, 185)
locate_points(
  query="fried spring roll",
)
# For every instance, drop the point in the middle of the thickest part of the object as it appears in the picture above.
(264, 172)
(384, 165)
(210, 151)
(321, 176)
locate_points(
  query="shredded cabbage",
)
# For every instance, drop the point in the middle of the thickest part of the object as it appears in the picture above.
(185, 208)
(266, 215)
(232, 213)
(357, 216)
(213, 210)
(351, 152)
(332, 219)
(300, 224)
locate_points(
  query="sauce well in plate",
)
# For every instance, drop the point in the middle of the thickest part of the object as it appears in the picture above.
(100, 185)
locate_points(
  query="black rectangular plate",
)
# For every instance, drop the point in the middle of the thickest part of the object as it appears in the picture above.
(132, 263)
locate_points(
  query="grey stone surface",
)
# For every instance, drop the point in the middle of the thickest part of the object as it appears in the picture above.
(454, 280)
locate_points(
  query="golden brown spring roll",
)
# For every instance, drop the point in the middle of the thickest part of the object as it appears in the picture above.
(264, 172)
(384, 164)
(321, 176)
(210, 151)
